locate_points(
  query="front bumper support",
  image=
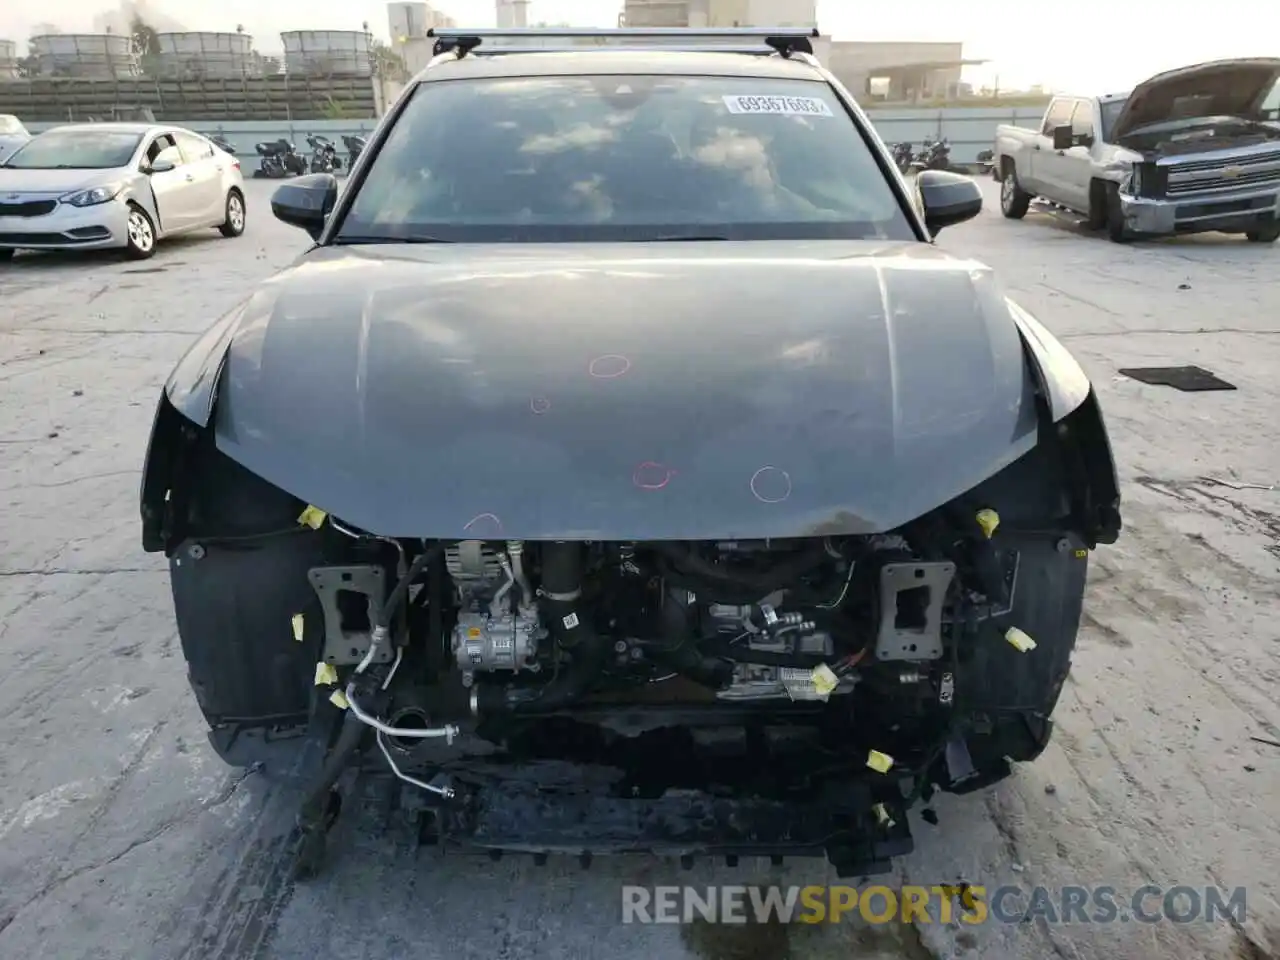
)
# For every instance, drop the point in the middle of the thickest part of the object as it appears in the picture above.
(856, 834)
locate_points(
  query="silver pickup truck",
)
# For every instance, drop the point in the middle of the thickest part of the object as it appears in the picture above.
(1188, 151)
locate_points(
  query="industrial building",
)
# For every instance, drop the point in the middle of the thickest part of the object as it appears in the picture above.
(214, 55)
(8, 59)
(342, 53)
(101, 56)
(899, 72)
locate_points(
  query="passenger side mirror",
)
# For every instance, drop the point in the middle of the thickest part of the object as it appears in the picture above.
(306, 202)
(161, 166)
(1063, 139)
(947, 198)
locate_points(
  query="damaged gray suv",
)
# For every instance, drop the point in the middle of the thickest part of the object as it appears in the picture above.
(624, 469)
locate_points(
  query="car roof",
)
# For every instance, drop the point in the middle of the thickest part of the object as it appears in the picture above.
(137, 128)
(620, 61)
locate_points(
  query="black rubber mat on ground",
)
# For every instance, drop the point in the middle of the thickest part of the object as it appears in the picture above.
(1186, 379)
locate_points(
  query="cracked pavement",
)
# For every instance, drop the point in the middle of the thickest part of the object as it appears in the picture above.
(123, 836)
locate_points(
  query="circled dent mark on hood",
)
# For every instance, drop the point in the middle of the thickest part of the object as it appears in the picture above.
(652, 476)
(771, 484)
(608, 367)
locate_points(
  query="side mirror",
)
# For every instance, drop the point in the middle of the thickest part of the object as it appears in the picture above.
(1063, 138)
(306, 202)
(947, 198)
(161, 166)
(1084, 140)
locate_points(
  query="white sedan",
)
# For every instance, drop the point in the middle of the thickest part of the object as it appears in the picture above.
(125, 185)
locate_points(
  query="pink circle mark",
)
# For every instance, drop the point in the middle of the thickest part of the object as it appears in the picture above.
(652, 476)
(539, 405)
(484, 516)
(766, 478)
(609, 366)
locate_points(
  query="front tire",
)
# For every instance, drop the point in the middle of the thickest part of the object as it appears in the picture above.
(1264, 234)
(6, 253)
(1014, 201)
(1116, 229)
(141, 243)
(233, 225)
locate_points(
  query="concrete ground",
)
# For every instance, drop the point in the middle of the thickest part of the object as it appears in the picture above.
(122, 836)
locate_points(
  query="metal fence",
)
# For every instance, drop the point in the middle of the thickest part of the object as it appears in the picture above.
(969, 130)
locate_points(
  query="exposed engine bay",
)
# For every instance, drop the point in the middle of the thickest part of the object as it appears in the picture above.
(768, 663)
(787, 621)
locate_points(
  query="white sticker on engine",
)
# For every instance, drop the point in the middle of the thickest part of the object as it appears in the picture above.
(570, 621)
(783, 106)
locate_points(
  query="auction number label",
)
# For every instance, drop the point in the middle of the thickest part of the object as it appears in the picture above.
(783, 106)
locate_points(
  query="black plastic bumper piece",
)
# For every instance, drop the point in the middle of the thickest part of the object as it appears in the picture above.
(858, 836)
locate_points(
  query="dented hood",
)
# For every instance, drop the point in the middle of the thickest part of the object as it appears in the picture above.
(671, 391)
(1229, 88)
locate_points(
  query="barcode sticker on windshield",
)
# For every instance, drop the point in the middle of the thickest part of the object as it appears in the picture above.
(784, 106)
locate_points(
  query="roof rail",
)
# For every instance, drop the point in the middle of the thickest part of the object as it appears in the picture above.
(771, 40)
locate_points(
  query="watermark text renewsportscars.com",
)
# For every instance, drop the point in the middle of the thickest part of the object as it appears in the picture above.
(967, 903)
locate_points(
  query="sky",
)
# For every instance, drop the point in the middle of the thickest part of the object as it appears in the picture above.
(1085, 46)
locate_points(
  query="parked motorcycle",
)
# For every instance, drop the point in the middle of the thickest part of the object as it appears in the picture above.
(938, 155)
(902, 156)
(279, 159)
(324, 155)
(222, 143)
(933, 155)
(355, 145)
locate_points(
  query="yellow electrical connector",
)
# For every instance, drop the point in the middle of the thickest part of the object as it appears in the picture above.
(988, 520)
(326, 674)
(1019, 640)
(879, 762)
(824, 679)
(882, 815)
(298, 625)
(312, 517)
(339, 700)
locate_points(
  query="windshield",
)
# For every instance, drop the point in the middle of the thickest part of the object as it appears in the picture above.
(11, 125)
(75, 150)
(609, 158)
(1110, 111)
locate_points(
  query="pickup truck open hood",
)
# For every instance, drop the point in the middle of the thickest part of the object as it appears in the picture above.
(1234, 88)
(628, 391)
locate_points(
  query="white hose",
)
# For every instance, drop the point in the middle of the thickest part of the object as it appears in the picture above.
(448, 731)
(446, 792)
(495, 606)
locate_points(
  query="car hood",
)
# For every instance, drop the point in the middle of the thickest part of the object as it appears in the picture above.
(56, 182)
(1229, 88)
(615, 392)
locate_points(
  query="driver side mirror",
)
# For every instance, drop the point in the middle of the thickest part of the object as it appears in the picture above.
(1063, 138)
(947, 198)
(161, 166)
(306, 202)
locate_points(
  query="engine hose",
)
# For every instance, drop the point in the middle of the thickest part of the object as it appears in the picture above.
(678, 650)
(730, 591)
(573, 632)
(777, 578)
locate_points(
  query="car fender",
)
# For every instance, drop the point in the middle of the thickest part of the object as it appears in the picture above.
(1076, 426)
(1061, 379)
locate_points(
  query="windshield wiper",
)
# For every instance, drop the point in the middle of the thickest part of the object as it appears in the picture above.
(688, 236)
(343, 241)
